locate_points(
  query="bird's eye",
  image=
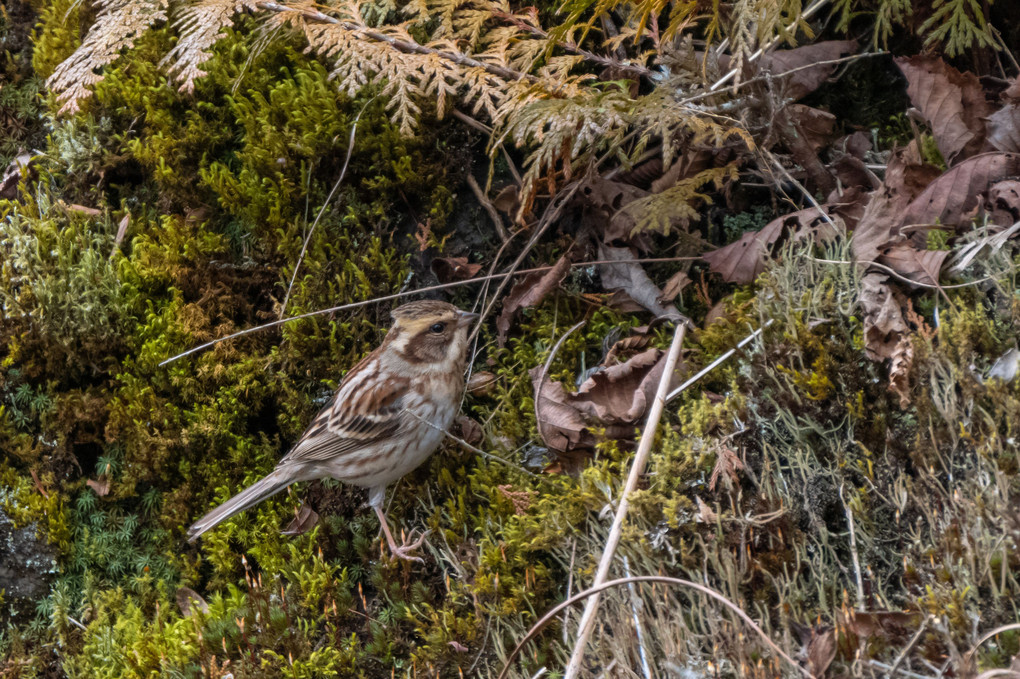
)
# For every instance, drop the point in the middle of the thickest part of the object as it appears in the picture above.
(438, 327)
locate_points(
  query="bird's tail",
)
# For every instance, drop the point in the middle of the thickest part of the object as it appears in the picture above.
(249, 497)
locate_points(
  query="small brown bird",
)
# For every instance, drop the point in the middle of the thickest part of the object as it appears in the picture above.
(387, 417)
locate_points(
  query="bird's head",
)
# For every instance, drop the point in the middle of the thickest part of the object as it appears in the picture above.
(431, 333)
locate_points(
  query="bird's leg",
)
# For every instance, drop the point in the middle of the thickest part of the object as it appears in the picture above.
(404, 551)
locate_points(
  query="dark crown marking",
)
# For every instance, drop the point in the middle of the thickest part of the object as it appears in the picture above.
(425, 308)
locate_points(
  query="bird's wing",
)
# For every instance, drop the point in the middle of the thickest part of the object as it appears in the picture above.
(364, 409)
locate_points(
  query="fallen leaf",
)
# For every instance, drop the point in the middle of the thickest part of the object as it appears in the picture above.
(950, 199)
(676, 283)
(101, 486)
(744, 259)
(190, 602)
(457, 646)
(528, 292)
(922, 266)
(304, 520)
(884, 325)
(622, 392)
(818, 647)
(1003, 202)
(632, 279)
(614, 399)
(806, 65)
(869, 623)
(470, 430)
(604, 203)
(1004, 128)
(481, 383)
(899, 370)
(449, 269)
(705, 513)
(906, 177)
(952, 102)
(13, 174)
(508, 199)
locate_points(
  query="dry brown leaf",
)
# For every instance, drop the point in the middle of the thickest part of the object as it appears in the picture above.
(481, 383)
(1004, 125)
(905, 178)
(470, 430)
(819, 647)
(528, 292)
(304, 520)
(952, 198)
(742, 260)
(922, 266)
(604, 203)
(190, 602)
(622, 393)
(953, 103)
(560, 425)
(810, 62)
(815, 125)
(676, 283)
(884, 325)
(1003, 202)
(449, 269)
(632, 279)
(899, 370)
(705, 513)
(101, 486)
(615, 399)
(508, 199)
(870, 623)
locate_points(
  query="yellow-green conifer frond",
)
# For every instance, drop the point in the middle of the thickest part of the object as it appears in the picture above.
(201, 26)
(960, 24)
(119, 24)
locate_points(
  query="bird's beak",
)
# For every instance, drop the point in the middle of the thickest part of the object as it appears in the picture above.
(465, 318)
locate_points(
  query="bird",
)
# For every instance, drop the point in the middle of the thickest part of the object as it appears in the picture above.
(388, 415)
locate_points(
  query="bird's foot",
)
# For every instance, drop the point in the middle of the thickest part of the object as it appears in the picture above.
(406, 551)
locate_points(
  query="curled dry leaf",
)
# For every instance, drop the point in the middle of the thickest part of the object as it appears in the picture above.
(1003, 202)
(481, 383)
(616, 399)
(905, 178)
(470, 430)
(190, 602)
(899, 370)
(605, 200)
(304, 520)
(449, 269)
(884, 325)
(818, 647)
(953, 103)
(1004, 125)
(528, 292)
(632, 279)
(676, 283)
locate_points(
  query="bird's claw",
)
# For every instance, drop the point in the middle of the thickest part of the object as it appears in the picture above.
(406, 550)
